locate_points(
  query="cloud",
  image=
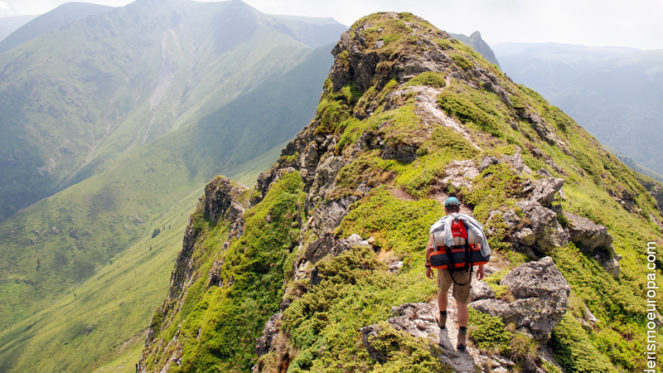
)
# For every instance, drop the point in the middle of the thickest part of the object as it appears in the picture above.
(6, 10)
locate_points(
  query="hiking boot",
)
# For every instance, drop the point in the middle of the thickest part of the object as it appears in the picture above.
(442, 319)
(462, 336)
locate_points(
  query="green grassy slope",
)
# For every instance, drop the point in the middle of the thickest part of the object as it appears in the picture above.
(100, 322)
(216, 326)
(145, 70)
(97, 218)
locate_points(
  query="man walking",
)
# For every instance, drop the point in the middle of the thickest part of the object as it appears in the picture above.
(445, 235)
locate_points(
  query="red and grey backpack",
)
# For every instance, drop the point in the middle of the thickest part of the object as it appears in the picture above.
(463, 255)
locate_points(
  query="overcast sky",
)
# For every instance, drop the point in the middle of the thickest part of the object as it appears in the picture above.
(632, 23)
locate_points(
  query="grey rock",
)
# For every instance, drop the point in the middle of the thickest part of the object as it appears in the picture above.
(543, 222)
(526, 237)
(611, 265)
(594, 239)
(587, 234)
(395, 266)
(319, 248)
(510, 218)
(327, 216)
(219, 194)
(272, 327)
(325, 174)
(354, 239)
(543, 172)
(480, 290)
(544, 190)
(487, 161)
(460, 174)
(541, 294)
(516, 161)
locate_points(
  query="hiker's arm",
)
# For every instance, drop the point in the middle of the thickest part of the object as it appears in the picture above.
(480, 272)
(429, 250)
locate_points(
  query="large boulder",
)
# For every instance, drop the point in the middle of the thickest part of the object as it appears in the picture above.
(543, 191)
(540, 291)
(593, 239)
(548, 233)
(586, 234)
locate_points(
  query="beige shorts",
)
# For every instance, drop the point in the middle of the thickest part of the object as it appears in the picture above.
(460, 293)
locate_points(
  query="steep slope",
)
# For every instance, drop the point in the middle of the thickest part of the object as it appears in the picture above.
(148, 68)
(613, 92)
(51, 21)
(479, 45)
(320, 266)
(64, 239)
(11, 24)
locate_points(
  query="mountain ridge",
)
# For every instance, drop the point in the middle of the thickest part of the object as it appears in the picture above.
(50, 21)
(301, 273)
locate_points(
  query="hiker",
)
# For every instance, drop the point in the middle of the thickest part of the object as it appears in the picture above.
(457, 243)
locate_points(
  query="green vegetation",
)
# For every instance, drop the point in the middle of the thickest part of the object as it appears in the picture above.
(468, 110)
(356, 291)
(574, 351)
(221, 335)
(429, 78)
(396, 224)
(105, 315)
(489, 332)
(404, 352)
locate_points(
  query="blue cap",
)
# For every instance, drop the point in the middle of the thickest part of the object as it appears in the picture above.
(451, 201)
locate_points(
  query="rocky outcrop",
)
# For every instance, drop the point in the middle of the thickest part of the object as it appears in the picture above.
(460, 174)
(548, 232)
(219, 201)
(272, 328)
(543, 191)
(480, 290)
(540, 293)
(593, 239)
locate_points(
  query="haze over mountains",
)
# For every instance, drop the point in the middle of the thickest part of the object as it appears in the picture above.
(118, 116)
(10, 24)
(616, 93)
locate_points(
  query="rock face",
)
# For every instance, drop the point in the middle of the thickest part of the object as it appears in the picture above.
(540, 293)
(264, 342)
(544, 190)
(588, 235)
(543, 223)
(594, 239)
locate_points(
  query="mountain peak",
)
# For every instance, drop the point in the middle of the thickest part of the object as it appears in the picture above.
(389, 45)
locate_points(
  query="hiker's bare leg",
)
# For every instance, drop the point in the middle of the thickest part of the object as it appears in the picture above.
(463, 313)
(442, 299)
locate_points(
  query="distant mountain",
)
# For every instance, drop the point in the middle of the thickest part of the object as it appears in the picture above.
(11, 24)
(479, 45)
(114, 119)
(615, 93)
(51, 21)
(75, 98)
